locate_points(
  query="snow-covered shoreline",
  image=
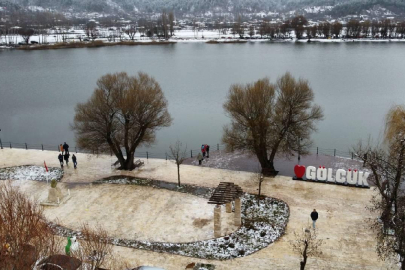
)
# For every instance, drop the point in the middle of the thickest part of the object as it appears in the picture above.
(182, 36)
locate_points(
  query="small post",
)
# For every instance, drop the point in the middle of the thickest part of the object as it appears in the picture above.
(316, 150)
(76, 149)
(334, 152)
(237, 217)
(147, 155)
(191, 153)
(166, 156)
(1, 145)
(10, 146)
(217, 146)
(26, 146)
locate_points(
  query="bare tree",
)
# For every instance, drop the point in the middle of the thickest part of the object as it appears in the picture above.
(353, 28)
(123, 113)
(270, 118)
(26, 34)
(387, 164)
(258, 178)
(25, 236)
(171, 23)
(306, 245)
(325, 27)
(336, 29)
(95, 248)
(251, 30)
(131, 31)
(365, 27)
(91, 29)
(298, 23)
(179, 155)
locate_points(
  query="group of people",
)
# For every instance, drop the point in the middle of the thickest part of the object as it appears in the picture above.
(205, 150)
(65, 155)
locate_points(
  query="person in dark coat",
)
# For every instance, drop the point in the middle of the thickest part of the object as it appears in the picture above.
(66, 147)
(314, 217)
(74, 161)
(60, 157)
(207, 148)
(66, 157)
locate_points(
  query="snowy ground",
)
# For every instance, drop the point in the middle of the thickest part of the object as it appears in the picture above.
(348, 242)
(183, 35)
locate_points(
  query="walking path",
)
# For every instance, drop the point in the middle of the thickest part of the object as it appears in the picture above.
(348, 243)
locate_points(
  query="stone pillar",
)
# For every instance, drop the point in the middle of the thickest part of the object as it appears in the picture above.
(238, 221)
(228, 207)
(217, 221)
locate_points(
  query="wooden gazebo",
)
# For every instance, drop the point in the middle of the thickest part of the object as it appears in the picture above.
(226, 193)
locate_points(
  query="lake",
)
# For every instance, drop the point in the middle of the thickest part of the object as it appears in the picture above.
(355, 83)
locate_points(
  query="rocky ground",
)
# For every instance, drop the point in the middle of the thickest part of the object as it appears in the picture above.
(348, 242)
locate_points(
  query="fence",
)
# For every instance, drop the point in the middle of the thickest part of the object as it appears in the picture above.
(161, 155)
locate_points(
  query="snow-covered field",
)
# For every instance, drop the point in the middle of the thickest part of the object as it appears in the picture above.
(263, 222)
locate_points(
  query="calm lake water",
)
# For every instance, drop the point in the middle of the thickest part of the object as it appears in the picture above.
(355, 83)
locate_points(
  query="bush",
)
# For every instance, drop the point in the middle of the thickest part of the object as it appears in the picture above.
(53, 183)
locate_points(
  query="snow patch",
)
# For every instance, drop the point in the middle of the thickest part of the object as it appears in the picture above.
(34, 173)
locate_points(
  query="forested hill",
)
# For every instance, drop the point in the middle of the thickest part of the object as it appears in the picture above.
(217, 7)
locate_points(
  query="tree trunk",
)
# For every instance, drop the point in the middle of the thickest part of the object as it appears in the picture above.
(178, 173)
(129, 162)
(305, 256)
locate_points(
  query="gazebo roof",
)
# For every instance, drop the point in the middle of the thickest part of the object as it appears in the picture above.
(225, 192)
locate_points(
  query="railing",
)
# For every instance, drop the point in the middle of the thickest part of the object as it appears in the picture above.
(162, 155)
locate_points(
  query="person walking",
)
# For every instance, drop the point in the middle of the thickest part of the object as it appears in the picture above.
(66, 147)
(314, 217)
(66, 157)
(61, 148)
(207, 148)
(60, 157)
(74, 161)
(199, 158)
(203, 150)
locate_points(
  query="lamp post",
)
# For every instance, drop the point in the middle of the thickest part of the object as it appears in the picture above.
(299, 149)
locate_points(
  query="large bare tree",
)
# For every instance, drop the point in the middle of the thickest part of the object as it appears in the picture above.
(267, 118)
(387, 164)
(123, 113)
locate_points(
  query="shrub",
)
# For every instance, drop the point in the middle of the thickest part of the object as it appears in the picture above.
(53, 183)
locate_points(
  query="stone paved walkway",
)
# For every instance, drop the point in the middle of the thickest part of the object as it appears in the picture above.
(348, 243)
